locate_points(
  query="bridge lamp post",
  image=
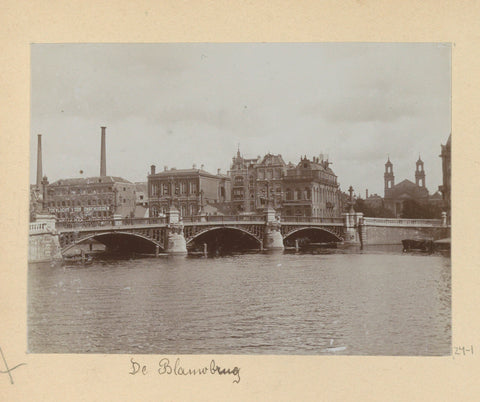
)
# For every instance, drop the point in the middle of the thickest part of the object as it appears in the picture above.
(44, 195)
(350, 190)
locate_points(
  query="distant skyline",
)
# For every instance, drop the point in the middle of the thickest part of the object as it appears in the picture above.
(179, 104)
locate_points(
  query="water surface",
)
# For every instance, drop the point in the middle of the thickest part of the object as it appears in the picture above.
(375, 302)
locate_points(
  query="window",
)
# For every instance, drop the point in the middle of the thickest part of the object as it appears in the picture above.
(308, 194)
(289, 194)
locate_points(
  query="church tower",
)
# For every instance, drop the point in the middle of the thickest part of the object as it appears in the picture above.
(389, 178)
(420, 173)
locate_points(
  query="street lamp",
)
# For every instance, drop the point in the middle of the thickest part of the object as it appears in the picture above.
(350, 190)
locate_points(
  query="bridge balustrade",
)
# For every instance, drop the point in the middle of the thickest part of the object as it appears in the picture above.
(401, 222)
(38, 227)
(223, 218)
(109, 222)
(311, 219)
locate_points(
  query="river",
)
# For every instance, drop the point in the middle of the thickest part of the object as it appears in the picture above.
(378, 301)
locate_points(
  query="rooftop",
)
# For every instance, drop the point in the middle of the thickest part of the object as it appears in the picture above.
(89, 180)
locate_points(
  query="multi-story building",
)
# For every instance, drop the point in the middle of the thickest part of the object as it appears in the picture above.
(90, 198)
(243, 177)
(311, 189)
(189, 190)
(269, 172)
(445, 188)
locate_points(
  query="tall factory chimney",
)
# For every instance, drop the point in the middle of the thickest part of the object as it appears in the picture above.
(39, 161)
(103, 160)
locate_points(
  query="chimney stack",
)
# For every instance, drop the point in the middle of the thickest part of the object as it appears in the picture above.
(218, 171)
(39, 161)
(366, 193)
(152, 169)
(103, 160)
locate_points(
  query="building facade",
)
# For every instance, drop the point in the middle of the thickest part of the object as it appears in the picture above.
(90, 198)
(189, 190)
(243, 178)
(445, 188)
(269, 173)
(307, 189)
(311, 190)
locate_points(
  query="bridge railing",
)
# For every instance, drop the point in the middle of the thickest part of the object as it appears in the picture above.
(401, 222)
(109, 222)
(38, 227)
(223, 218)
(311, 219)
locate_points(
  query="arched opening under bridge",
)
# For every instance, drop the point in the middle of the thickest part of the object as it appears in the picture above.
(118, 243)
(308, 237)
(224, 240)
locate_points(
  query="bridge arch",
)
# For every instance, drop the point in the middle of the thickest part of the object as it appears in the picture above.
(234, 228)
(110, 233)
(335, 236)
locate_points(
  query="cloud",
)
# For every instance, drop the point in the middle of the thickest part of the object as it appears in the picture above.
(178, 104)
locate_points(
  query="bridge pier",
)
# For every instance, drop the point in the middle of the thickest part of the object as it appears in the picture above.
(351, 225)
(176, 244)
(43, 242)
(273, 239)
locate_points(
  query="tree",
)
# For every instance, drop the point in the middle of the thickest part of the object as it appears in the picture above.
(411, 209)
(372, 211)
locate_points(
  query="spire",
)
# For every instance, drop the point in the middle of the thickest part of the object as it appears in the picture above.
(238, 150)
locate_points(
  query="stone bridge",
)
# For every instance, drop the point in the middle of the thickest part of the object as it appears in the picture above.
(172, 235)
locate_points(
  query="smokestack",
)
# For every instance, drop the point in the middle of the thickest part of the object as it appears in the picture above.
(103, 159)
(152, 169)
(39, 161)
(366, 193)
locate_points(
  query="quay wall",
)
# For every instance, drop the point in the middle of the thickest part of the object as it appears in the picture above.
(378, 235)
(43, 247)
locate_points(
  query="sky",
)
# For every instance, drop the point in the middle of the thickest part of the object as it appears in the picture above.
(179, 104)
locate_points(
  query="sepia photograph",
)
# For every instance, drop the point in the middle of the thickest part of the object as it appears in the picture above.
(240, 199)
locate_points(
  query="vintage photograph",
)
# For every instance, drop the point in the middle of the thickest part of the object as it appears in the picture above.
(240, 198)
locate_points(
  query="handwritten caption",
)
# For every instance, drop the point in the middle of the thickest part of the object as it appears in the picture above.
(8, 370)
(166, 367)
(462, 350)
